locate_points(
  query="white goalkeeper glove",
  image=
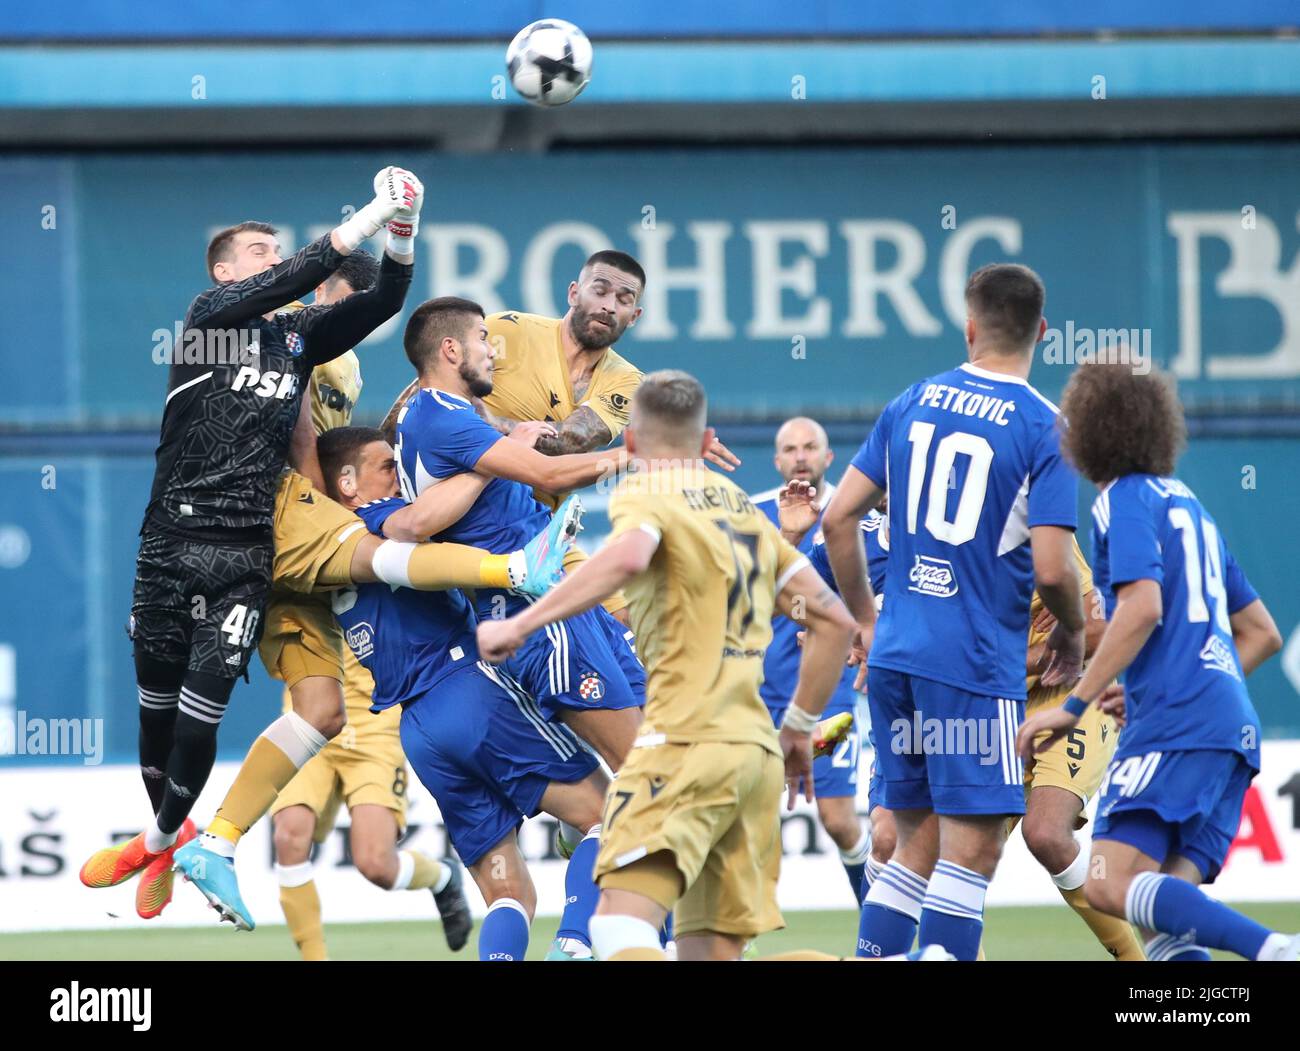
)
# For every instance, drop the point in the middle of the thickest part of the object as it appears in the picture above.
(396, 189)
(403, 226)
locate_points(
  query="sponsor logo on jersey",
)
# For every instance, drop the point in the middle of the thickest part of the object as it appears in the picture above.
(932, 576)
(270, 384)
(361, 640)
(333, 398)
(618, 402)
(1217, 656)
(591, 688)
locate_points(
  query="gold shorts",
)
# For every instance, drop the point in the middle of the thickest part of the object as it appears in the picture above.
(301, 639)
(310, 530)
(1078, 761)
(716, 808)
(360, 766)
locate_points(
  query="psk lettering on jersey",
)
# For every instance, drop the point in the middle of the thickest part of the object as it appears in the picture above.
(711, 497)
(270, 384)
(967, 403)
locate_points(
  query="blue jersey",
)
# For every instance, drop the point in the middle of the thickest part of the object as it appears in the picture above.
(781, 660)
(874, 529)
(971, 461)
(440, 434)
(1185, 688)
(408, 640)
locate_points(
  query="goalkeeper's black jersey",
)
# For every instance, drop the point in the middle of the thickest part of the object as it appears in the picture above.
(236, 386)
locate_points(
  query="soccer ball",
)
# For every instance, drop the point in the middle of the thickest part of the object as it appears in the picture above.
(549, 62)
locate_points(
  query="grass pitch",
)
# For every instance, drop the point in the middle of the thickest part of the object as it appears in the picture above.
(1031, 933)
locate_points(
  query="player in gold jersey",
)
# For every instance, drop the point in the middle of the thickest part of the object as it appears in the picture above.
(691, 822)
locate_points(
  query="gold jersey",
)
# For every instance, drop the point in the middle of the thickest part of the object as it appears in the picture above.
(1036, 607)
(702, 611)
(530, 379)
(335, 387)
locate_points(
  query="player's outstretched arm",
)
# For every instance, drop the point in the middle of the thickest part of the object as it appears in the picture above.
(857, 494)
(607, 571)
(582, 431)
(1138, 608)
(808, 600)
(329, 331)
(439, 507)
(1255, 635)
(302, 448)
(553, 474)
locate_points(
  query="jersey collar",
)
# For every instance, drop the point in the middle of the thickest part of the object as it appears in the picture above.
(448, 394)
(997, 377)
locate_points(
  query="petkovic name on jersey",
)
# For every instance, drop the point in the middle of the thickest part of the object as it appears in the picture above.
(932, 576)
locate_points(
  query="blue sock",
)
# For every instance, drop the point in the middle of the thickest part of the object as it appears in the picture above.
(1174, 906)
(1165, 948)
(953, 915)
(887, 925)
(854, 861)
(503, 934)
(580, 891)
(666, 931)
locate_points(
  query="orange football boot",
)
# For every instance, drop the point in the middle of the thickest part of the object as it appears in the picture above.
(154, 891)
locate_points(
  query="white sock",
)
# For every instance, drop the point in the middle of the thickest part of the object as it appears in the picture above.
(1272, 947)
(156, 840)
(612, 934)
(440, 884)
(873, 870)
(391, 562)
(857, 855)
(217, 844)
(1075, 874)
(294, 875)
(405, 870)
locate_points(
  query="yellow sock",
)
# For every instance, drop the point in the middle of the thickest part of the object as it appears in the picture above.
(1115, 934)
(301, 906)
(629, 955)
(426, 873)
(438, 567)
(979, 956)
(266, 770)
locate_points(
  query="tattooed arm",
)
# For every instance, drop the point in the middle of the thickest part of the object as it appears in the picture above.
(581, 431)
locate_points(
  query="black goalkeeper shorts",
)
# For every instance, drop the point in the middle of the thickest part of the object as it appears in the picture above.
(200, 604)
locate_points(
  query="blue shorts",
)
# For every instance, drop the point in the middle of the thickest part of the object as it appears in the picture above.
(834, 775)
(480, 746)
(623, 642)
(1175, 803)
(573, 664)
(944, 749)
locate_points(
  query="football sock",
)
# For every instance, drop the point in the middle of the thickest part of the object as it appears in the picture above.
(953, 914)
(157, 727)
(503, 934)
(1173, 906)
(624, 938)
(1165, 948)
(871, 872)
(580, 893)
(416, 871)
(156, 840)
(1114, 933)
(854, 861)
(202, 703)
(890, 912)
(434, 567)
(301, 904)
(279, 752)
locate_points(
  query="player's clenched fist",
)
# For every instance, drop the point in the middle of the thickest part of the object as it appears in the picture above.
(398, 198)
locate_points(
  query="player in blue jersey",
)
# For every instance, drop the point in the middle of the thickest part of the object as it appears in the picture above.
(1185, 627)
(981, 507)
(571, 669)
(802, 457)
(474, 738)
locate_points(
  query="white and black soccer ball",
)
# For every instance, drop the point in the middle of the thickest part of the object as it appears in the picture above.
(549, 62)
